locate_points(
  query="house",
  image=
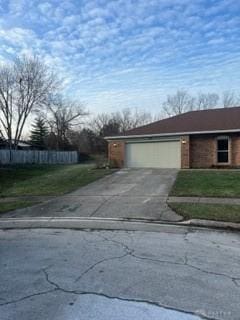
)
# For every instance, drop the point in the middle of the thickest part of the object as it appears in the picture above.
(22, 145)
(196, 139)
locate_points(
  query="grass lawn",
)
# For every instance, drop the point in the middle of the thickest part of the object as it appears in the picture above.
(13, 205)
(218, 212)
(207, 183)
(40, 180)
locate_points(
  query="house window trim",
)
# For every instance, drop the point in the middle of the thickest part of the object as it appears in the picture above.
(229, 151)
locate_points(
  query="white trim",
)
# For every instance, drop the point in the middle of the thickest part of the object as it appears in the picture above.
(169, 134)
(157, 139)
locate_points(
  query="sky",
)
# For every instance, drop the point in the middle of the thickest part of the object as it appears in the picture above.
(128, 53)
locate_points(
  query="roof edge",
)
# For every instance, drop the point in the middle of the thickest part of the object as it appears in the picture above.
(169, 134)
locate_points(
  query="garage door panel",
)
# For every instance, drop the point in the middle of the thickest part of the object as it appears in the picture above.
(153, 155)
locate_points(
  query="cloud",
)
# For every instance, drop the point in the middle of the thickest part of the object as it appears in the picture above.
(17, 36)
(46, 8)
(128, 53)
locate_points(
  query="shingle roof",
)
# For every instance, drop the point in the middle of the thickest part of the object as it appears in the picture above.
(193, 121)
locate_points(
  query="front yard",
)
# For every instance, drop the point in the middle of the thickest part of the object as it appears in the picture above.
(43, 180)
(217, 212)
(207, 183)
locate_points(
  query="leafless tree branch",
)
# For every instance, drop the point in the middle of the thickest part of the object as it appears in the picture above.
(24, 88)
(63, 115)
(178, 103)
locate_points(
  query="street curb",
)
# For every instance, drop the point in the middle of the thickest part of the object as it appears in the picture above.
(88, 223)
(212, 224)
(113, 224)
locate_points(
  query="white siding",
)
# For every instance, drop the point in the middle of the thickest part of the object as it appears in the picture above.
(164, 154)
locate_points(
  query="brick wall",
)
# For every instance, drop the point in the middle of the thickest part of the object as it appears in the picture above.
(235, 146)
(185, 152)
(203, 151)
(116, 153)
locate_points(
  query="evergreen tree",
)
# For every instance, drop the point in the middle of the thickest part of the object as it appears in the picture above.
(39, 133)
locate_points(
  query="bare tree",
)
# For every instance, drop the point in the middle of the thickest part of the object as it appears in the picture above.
(63, 115)
(125, 119)
(178, 103)
(116, 123)
(99, 121)
(7, 102)
(86, 142)
(157, 117)
(1, 134)
(24, 88)
(206, 100)
(129, 119)
(229, 99)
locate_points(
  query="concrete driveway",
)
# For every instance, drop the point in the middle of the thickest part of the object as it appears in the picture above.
(128, 193)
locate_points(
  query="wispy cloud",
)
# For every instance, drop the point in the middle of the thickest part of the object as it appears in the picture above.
(128, 53)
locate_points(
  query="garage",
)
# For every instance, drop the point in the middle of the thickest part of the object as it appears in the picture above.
(159, 154)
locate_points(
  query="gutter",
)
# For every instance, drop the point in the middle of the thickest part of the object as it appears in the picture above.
(169, 134)
(87, 223)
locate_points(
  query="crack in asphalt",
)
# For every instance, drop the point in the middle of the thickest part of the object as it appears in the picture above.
(100, 294)
(99, 262)
(127, 250)
(233, 279)
(27, 297)
(119, 243)
(152, 303)
(57, 287)
(185, 263)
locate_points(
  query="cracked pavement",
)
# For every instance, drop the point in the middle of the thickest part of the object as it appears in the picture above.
(66, 274)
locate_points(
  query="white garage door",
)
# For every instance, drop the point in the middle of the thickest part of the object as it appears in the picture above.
(164, 154)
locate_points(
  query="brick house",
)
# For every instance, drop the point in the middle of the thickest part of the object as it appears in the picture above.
(196, 139)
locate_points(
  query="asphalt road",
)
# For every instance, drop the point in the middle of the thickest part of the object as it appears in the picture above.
(66, 274)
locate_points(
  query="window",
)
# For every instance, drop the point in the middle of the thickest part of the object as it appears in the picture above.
(223, 150)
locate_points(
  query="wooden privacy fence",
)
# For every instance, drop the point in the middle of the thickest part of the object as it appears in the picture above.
(37, 156)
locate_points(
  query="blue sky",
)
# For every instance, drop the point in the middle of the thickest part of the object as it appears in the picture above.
(128, 53)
